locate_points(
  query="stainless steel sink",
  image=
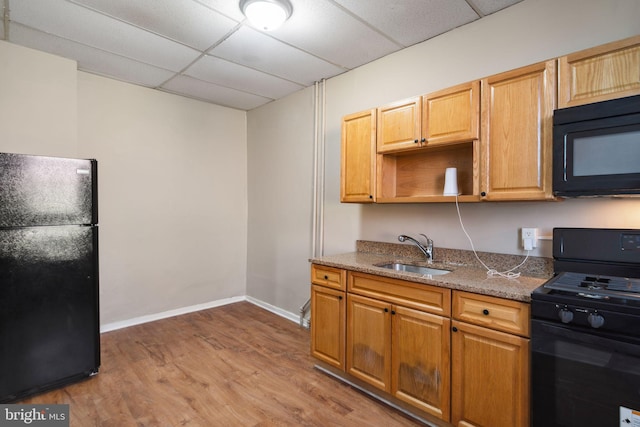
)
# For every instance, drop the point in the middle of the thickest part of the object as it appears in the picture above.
(398, 266)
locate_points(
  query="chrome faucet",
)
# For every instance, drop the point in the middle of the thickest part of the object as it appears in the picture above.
(426, 250)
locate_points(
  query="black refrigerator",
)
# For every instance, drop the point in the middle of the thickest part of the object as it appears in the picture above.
(49, 319)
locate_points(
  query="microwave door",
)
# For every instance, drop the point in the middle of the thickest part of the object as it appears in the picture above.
(597, 157)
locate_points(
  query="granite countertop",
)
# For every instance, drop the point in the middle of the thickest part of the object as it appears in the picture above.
(467, 273)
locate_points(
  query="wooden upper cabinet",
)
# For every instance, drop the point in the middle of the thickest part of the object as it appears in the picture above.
(600, 73)
(399, 126)
(358, 166)
(517, 131)
(451, 115)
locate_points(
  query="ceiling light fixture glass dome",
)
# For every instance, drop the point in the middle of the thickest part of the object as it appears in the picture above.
(266, 15)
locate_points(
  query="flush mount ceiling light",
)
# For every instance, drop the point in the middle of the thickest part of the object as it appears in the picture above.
(266, 15)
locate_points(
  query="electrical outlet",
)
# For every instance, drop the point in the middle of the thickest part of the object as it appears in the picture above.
(529, 238)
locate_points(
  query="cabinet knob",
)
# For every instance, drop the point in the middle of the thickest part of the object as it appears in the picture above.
(423, 140)
(454, 329)
(485, 312)
(484, 193)
(415, 141)
(370, 196)
(386, 310)
(340, 297)
(326, 277)
(393, 312)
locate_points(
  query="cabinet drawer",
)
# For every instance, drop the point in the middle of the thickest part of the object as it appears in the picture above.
(491, 312)
(328, 276)
(410, 294)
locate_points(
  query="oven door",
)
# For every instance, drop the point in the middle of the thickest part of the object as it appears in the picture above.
(581, 379)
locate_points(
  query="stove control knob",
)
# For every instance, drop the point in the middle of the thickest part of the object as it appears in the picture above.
(565, 315)
(595, 320)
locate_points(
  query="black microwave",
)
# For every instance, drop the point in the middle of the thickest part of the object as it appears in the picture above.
(596, 149)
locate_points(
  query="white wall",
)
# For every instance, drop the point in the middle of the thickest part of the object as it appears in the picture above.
(173, 200)
(172, 179)
(38, 113)
(177, 198)
(528, 32)
(280, 166)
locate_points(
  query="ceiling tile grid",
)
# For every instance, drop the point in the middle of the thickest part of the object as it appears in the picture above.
(205, 49)
(184, 21)
(93, 60)
(412, 21)
(332, 33)
(232, 75)
(257, 50)
(188, 86)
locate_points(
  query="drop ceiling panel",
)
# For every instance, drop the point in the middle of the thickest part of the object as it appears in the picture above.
(184, 21)
(213, 93)
(411, 21)
(225, 73)
(205, 49)
(73, 22)
(329, 32)
(261, 52)
(487, 7)
(229, 8)
(90, 59)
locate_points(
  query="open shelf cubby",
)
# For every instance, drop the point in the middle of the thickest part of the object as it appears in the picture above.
(418, 175)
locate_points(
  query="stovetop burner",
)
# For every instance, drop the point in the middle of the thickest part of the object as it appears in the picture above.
(595, 286)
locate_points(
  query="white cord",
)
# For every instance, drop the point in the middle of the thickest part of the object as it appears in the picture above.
(509, 274)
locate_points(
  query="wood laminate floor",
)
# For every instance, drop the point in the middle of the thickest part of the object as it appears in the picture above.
(236, 365)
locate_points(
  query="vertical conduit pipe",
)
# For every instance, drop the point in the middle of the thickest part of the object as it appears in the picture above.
(317, 220)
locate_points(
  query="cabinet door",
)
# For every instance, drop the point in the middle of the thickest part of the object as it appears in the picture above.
(328, 308)
(489, 377)
(358, 166)
(420, 372)
(452, 115)
(600, 73)
(517, 130)
(399, 126)
(369, 340)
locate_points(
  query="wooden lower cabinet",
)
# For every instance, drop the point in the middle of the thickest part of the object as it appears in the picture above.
(489, 377)
(457, 356)
(328, 308)
(420, 345)
(402, 351)
(369, 340)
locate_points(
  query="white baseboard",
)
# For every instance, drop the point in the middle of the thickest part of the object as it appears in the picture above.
(185, 310)
(272, 308)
